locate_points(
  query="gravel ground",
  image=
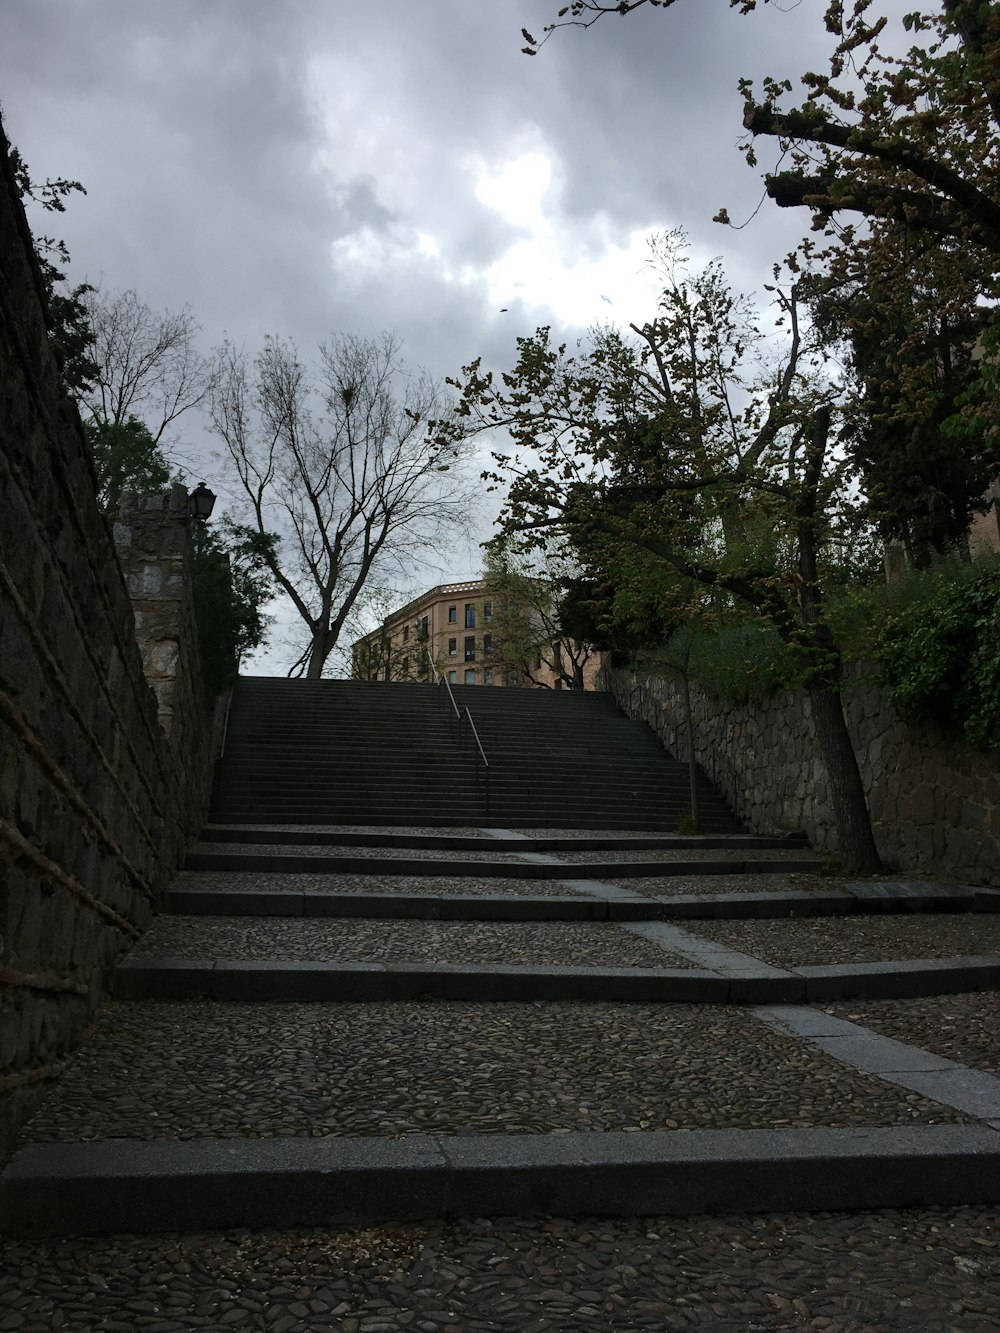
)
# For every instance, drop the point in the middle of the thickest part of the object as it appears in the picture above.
(934, 1270)
(583, 944)
(690, 854)
(965, 1028)
(857, 939)
(303, 881)
(322, 849)
(448, 1068)
(659, 886)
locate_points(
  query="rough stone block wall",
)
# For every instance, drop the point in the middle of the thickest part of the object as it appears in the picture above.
(934, 801)
(97, 803)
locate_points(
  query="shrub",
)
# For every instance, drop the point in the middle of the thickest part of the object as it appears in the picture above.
(938, 649)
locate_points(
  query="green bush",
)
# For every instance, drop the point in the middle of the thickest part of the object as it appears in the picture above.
(937, 646)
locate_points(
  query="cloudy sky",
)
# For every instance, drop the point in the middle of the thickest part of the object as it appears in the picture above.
(305, 167)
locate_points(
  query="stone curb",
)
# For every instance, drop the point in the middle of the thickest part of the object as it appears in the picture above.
(249, 981)
(175, 979)
(501, 907)
(276, 863)
(129, 1186)
(279, 835)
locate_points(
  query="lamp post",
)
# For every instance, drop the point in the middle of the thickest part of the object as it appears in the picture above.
(201, 502)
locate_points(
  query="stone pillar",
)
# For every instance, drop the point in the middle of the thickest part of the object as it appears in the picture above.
(153, 537)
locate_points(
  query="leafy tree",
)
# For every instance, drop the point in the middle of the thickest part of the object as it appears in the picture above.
(527, 627)
(345, 466)
(69, 326)
(126, 458)
(924, 462)
(232, 587)
(939, 652)
(674, 443)
(908, 138)
(897, 158)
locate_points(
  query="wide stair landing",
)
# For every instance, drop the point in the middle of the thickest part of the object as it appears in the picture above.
(335, 752)
(361, 1025)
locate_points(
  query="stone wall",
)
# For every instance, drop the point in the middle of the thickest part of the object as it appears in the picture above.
(98, 800)
(935, 801)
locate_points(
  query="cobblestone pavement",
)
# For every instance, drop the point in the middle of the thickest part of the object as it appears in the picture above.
(304, 882)
(934, 1270)
(689, 854)
(659, 886)
(965, 1028)
(585, 834)
(860, 939)
(582, 944)
(450, 1068)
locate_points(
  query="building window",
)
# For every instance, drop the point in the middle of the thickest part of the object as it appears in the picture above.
(487, 644)
(470, 677)
(423, 630)
(513, 677)
(406, 632)
(452, 615)
(470, 647)
(470, 616)
(452, 677)
(406, 666)
(488, 676)
(452, 647)
(487, 610)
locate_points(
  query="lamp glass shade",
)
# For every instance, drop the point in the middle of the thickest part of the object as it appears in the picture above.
(202, 501)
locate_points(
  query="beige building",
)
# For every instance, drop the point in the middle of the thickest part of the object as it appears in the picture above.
(984, 535)
(454, 625)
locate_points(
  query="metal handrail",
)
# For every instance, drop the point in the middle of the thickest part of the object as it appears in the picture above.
(225, 724)
(462, 715)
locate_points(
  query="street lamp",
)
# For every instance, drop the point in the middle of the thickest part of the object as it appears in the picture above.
(201, 502)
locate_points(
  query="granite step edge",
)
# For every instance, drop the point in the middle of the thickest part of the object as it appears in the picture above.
(122, 1185)
(302, 982)
(752, 905)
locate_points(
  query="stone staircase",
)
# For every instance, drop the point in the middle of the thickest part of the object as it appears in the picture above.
(334, 752)
(357, 1022)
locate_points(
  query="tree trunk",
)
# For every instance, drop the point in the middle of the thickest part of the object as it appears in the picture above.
(847, 793)
(318, 653)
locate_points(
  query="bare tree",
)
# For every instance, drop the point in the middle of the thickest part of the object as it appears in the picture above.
(149, 368)
(344, 467)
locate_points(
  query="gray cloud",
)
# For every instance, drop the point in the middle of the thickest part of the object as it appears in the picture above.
(274, 162)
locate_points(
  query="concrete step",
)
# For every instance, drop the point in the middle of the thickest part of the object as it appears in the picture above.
(319, 863)
(268, 898)
(279, 833)
(366, 806)
(123, 1186)
(311, 982)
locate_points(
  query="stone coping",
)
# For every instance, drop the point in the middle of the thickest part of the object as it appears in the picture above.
(174, 978)
(637, 907)
(123, 1185)
(517, 869)
(474, 839)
